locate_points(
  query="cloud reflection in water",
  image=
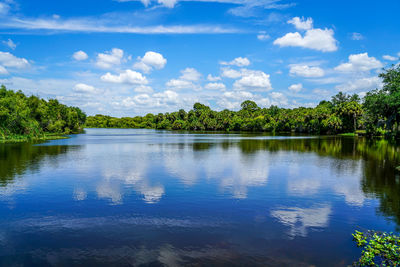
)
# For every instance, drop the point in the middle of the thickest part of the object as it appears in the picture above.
(300, 219)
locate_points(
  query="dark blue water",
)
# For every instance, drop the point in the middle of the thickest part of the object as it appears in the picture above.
(114, 197)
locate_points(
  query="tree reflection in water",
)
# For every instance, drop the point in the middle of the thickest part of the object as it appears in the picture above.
(380, 158)
(17, 159)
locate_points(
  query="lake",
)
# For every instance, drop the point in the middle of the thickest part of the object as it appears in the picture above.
(134, 197)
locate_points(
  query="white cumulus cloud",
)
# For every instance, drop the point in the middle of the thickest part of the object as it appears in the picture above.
(127, 76)
(9, 60)
(80, 55)
(151, 60)
(167, 97)
(359, 62)
(179, 84)
(296, 87)
(188, 80)
(253, 80)
(190, 74)
(232, 99)
(215, 86)
(166, 3)
(109, 59)
(142, 99)
(316, 39)
(213, 78)
(301, 23)
(362, 84)
(239, 61)
(84, 88)
(143, 89)
(238, 95)
(230, 73)
(279, 99)
(306, 71)
(161, 99)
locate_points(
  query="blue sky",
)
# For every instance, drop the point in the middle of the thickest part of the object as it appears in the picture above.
(126, 58)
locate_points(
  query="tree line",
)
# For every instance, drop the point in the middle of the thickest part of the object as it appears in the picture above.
(377, 113)
(31, 116)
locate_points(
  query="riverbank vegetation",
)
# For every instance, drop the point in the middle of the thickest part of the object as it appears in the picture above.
(378, 113)
(25, 118)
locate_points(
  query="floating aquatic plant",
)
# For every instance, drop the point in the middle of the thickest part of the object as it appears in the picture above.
(379, 248)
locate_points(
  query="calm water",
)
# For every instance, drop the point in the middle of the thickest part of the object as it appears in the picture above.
(156, 198)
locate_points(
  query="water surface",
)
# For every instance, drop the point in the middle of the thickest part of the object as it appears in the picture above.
(157, 198)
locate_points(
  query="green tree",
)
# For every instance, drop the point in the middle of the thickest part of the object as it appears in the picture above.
(250, 106)
(383, 106)
(32, 117)
(350, 112)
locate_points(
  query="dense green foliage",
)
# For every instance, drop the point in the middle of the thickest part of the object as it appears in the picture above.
(379, 249)
(342, 114)
(377, 114)
(383, 106)
(23, 116)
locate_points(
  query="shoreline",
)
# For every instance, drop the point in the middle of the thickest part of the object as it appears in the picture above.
(26, 139)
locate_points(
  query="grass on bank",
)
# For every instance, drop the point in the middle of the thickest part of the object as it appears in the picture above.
(357, 133)
(348, 134)
(15, 138)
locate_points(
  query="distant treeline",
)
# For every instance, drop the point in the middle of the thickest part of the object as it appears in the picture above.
(32, 117)
(377, 114)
